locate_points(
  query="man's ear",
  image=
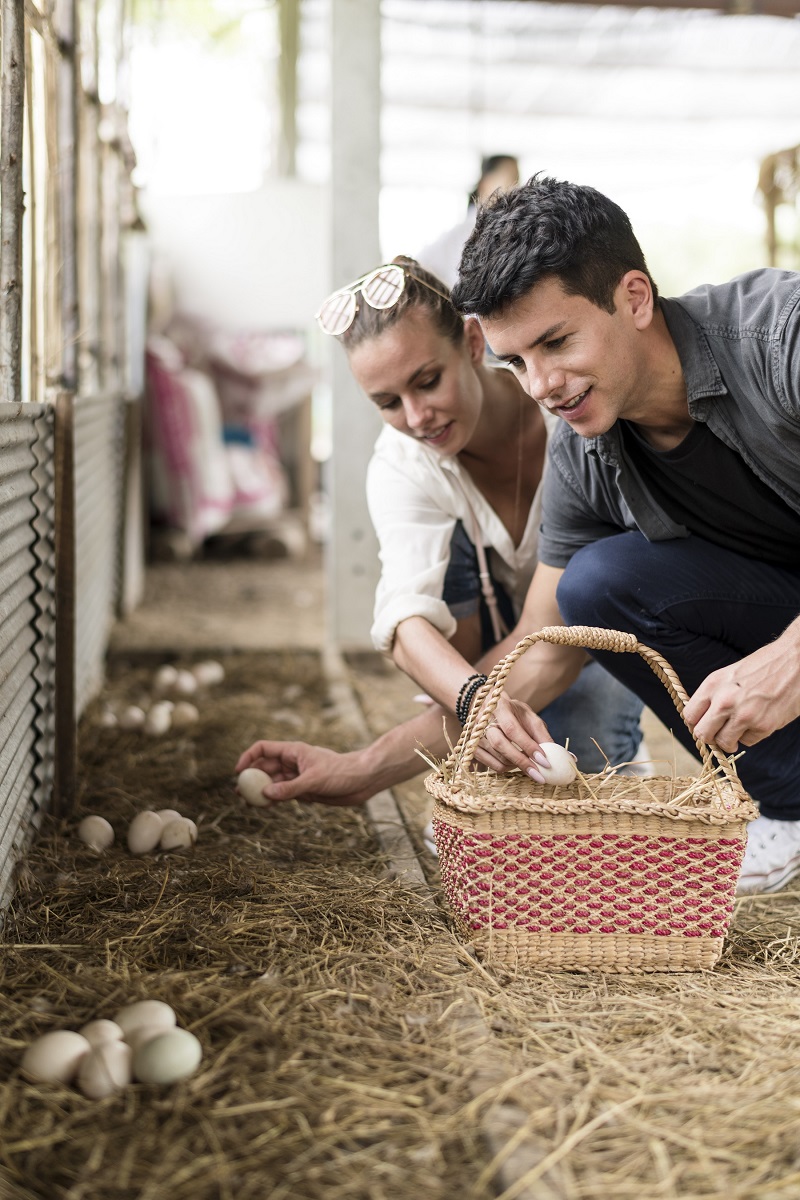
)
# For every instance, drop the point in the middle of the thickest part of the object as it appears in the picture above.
(635, 294)
(476, 343)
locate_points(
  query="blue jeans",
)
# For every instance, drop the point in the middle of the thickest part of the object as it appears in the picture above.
(596, 706)
(702, 608)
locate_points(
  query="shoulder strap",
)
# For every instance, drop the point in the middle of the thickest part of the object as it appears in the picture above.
(499, 627)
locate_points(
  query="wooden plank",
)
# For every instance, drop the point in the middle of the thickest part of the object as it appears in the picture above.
(517, 1160)
(12, 97)
(289, 25)
(66, 751)
(65, 28)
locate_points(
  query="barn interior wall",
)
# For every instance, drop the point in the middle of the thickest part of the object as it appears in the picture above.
(61, 404)
(248, 260)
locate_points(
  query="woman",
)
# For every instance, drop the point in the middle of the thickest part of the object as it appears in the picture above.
(455, 479)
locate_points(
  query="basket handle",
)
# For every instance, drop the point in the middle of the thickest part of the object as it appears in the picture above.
(588, 638)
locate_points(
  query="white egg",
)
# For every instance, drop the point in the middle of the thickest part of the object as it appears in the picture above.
(96, 832)
(178, 835)
(132, 717)
(138, 1037)
(105, 1070)
(562, 769)
(183, 714)
(251, 783)
(97, 1033)
(165, 678)
(169, 814)
(208, 673)
(55, 1057)
(185, 684)
(167, 1058)
(108, 719)
(144, 832)
(154, 1014)
(158, 719)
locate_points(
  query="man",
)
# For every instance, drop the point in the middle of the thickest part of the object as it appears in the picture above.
(672, 499)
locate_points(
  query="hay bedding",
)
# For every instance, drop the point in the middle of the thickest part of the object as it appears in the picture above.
(327, 1000)
(311, 979)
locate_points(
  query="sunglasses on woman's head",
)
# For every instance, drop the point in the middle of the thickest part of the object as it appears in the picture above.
(381, 289)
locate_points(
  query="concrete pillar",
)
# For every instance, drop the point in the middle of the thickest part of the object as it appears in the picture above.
(352, 563)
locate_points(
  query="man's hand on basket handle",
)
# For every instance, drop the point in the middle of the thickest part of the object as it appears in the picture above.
(748, 700)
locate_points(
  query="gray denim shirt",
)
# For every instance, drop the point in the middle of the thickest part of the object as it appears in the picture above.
(739, 346)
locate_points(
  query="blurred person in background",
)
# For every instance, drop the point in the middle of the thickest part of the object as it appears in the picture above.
(442, 256)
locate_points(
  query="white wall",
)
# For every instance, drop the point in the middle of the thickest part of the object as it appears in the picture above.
(250, 260)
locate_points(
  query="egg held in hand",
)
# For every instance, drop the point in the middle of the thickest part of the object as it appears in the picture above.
(251, 783)
(562, 768)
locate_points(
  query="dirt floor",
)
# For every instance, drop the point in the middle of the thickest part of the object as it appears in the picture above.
(353, 1045)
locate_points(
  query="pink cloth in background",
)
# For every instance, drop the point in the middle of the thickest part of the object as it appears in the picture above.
(199, 481)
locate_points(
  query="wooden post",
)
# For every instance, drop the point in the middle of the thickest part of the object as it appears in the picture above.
(12, 57)
(112, 330)
(289, 25)
(66, 750)
(65, 28)
(89, 234)
(352, 564)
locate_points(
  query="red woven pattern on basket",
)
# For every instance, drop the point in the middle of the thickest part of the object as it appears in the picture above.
(590, 883)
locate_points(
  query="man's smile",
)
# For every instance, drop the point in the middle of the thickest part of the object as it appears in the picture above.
(573, 407)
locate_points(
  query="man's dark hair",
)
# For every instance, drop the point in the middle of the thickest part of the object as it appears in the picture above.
(546, 228)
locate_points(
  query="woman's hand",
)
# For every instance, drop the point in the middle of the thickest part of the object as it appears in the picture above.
(309, 773)
(513, 739)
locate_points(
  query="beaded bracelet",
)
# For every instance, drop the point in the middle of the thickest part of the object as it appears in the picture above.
(470, 679)
(470, 687)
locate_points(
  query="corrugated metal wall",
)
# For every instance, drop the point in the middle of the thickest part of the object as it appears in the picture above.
(27, 626)
(63, 319)
(99, 430)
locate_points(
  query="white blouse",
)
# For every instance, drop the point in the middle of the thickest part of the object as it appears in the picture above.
(415, 496)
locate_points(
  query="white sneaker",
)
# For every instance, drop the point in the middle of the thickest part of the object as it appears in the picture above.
(641, 765)
(427, 837)
(772, 856)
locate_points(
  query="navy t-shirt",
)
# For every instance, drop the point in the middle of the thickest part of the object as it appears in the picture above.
(709, 488)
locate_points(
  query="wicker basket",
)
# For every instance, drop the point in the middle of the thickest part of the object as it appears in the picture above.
(609, 873)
